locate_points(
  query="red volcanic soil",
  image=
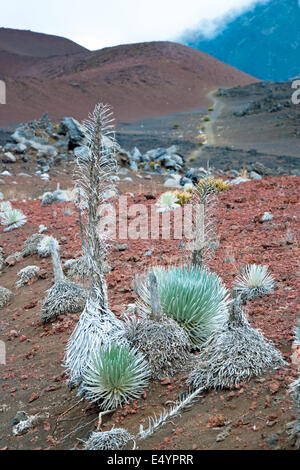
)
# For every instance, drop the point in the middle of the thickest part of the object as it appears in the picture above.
(139, 80)
(254, 414)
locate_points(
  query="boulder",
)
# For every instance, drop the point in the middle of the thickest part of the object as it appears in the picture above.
(255, 176)
(20, 135)
(135, 155)
(239, 180)
(73, 129)
(173, 182)
(8, 157)
(20, 148)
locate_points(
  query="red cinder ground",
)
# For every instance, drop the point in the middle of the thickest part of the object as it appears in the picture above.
(256, 412)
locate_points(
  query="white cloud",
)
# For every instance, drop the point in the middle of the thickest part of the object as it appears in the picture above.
(100, 23)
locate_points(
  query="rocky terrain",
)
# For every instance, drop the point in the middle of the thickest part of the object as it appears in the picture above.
(37, 162)
(266, 109)
(253, 416)
(167, 140)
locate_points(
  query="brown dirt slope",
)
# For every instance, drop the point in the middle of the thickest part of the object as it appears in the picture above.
(139, 80)
(29, 43)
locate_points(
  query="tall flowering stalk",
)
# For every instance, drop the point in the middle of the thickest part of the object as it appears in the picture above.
(95, 170)
(203, 201)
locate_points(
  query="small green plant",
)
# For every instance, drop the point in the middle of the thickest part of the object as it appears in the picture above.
(192, 159)
(183, 197)
(175, 126)
(12, 218)
(116, 375)
(195, 298)
(153, 164)
(5, 206)
(212, 185)
(168, 201)
(254, 281)
(206, 118)
(211, 108)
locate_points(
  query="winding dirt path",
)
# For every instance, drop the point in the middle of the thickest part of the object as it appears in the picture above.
(210, 125)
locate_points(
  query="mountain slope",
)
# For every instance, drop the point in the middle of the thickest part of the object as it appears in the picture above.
(138, 80)
(264, 42)
(29, 43)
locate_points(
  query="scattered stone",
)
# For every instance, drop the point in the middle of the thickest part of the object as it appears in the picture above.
(34, 396)
(239, 180)
(121, 247)
(59, 195)
(25, 423)
(222, 435)
(11, 260)
(266, 217)
(165, 381)
(148, 253)
(20, 148)
(20, 416)
(9, 158)
(255, 176)
(173, 182)
(42, 228)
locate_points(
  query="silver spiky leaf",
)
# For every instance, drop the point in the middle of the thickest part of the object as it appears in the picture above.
(5, 206)
(5, 296)
(195, 298)
(44, 246)
(156, 422)
(116, 375)
(12, 218)
(95, 170)
(115, 439)
(164, 343)
(234, 353)
(293, 428)
(62, 298)
(78, 268)
(31, 245)
(96, 327)
(254, 282)
(26, 274)
(297, 333)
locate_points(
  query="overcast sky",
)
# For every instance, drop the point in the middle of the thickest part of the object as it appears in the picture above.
(101, 23)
